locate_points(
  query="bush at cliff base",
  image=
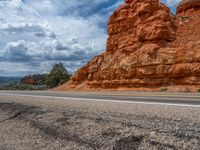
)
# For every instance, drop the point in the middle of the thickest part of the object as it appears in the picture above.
(57, 76)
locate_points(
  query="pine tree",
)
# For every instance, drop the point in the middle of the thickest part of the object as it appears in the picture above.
(57, 76)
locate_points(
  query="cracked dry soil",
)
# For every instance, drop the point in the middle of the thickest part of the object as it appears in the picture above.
(29, 127)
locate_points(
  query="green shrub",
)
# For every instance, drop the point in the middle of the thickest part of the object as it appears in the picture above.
(198, 90)
(183, 18)
(164, 89)
(35, 79)
(57, 76)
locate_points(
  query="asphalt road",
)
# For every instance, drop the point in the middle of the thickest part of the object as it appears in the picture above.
(177, 99)
(99, 120)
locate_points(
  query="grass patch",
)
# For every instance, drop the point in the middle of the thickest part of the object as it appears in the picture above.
(23, 87)
(184, 18)
(164, 89)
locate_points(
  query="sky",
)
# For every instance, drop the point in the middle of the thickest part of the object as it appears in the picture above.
(35, 34)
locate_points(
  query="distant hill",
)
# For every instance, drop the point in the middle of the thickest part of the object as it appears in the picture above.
(4, 80)
(36, 79)
(58, 75)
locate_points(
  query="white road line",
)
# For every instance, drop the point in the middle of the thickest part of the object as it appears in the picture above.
(107, 100)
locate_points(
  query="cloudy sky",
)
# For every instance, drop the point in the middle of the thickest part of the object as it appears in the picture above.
(35, 34)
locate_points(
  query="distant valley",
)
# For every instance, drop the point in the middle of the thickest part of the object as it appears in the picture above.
(5, 80)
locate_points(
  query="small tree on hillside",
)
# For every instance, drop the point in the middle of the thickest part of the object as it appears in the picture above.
(57, 76)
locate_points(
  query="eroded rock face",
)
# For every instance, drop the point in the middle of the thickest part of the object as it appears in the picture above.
(188, 6)
(147, 47)
(137, 22)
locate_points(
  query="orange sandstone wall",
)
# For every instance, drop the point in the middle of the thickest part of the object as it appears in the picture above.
(147, 47)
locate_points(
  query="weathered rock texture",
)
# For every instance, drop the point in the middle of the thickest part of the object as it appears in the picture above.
(188, 5)
(147, 47)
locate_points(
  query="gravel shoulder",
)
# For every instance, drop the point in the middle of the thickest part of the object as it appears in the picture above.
(49, 123)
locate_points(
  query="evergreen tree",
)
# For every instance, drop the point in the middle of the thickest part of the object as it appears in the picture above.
(57, 76)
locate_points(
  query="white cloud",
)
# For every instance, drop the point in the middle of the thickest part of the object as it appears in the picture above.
(35, 34)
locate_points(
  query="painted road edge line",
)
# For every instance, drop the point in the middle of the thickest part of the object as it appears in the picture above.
(108, 101)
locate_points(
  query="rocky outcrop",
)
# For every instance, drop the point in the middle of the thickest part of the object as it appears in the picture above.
(188, 6)
(36, 79)
(147, 47)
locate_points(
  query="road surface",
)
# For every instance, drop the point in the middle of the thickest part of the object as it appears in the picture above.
(99, 120)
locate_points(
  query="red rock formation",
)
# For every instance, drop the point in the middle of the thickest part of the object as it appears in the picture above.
(147, 47)
(188, 5)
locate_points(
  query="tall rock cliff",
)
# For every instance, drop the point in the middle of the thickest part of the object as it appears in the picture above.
(147, 46)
